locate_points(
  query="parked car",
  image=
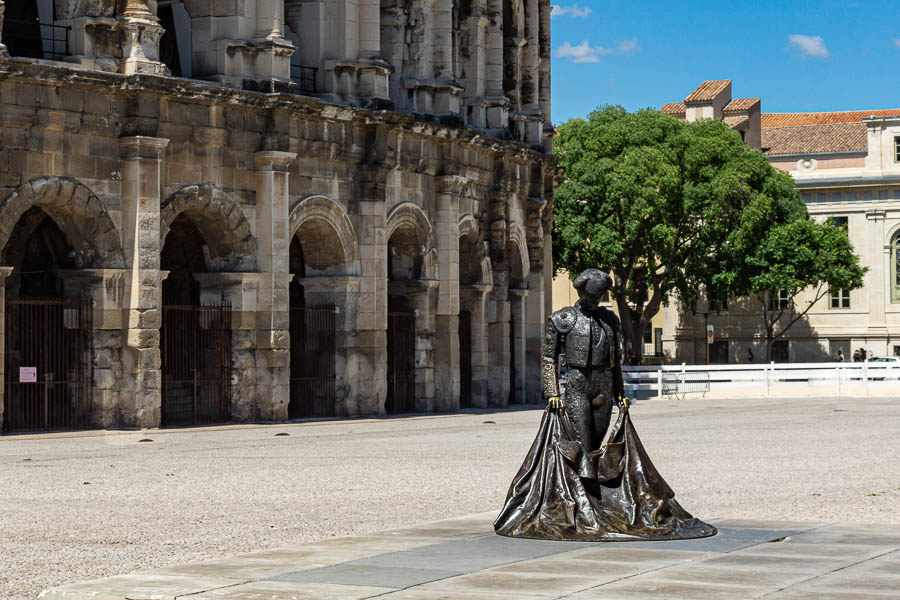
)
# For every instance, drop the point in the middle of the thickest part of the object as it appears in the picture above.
(891, 360)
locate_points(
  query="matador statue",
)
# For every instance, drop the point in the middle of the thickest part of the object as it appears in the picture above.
(578, 481)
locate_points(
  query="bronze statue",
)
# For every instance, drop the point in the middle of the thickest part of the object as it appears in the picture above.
(572, 485)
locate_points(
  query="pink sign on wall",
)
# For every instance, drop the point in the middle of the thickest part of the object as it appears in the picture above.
(27, 374)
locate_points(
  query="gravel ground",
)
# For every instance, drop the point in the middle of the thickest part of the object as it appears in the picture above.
(82, 506)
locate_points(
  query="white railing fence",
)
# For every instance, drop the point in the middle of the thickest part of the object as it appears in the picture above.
(767, 379)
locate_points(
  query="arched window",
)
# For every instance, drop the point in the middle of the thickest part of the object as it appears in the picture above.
(895, 269)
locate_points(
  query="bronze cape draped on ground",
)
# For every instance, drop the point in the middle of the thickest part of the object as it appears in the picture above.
(629, 500)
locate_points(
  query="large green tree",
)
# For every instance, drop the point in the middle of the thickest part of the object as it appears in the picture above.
(660, 203)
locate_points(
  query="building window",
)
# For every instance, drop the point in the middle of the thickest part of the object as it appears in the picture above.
(840, 298)
(895, 269)
(779, 300)
(896, 148)
(840, 222)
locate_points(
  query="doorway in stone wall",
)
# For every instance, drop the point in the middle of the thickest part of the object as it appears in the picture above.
(47, 344)
(195, 340)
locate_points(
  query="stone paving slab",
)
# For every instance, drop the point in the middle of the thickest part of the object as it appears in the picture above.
(462, 559)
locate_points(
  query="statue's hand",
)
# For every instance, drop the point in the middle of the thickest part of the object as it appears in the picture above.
(623, 402)
(555, 402)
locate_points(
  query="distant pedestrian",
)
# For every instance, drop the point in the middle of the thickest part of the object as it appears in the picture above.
(856, 355)
(862, 355)
(749, 355)
(840, 355)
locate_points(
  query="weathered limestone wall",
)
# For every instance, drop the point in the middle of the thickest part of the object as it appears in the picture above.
(252, 172)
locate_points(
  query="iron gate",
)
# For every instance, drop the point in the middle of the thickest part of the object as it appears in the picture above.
(465, 359)
(312, 362)
(49, 364)
(401, 376)
(196, 364)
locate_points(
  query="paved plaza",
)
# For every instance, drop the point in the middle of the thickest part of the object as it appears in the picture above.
(80, 507)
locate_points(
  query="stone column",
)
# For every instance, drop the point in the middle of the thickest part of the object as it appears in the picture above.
(446, 343)
(878, 275)
(273, 256)
(369, 12)
(544, 73)
(141, 40)
(498, 312)
(5, 272)
(343, 293)
(422, 295)
(252, 390)
(474, 299)
(474, 41)
(530, 74)
(496, 103)
(143, 292)
(3, 54)
(269, 16)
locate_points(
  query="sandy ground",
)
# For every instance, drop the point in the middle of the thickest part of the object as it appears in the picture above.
(75, 507)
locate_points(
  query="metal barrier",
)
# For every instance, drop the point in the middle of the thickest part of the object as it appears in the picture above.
(196, 364)
(312, 362)
(767, 379)
(49, 364)
(33, 39)
(305, 77)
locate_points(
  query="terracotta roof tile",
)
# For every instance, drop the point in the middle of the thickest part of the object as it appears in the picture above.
(741, 105)
(708, 90)
(823, 118)
(735, 121)
(809, 139)
(673, 108)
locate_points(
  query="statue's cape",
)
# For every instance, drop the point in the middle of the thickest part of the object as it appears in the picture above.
(629, 499)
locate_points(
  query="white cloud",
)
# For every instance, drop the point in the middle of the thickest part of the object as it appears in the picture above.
(897, 42)
(585, 53)
(809, 45)
(573, 11)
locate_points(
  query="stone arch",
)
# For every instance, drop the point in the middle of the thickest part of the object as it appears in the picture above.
(470, 235)
(78, 213)
(221, 222)
(324, 219)
(409, 221)
(522, 268)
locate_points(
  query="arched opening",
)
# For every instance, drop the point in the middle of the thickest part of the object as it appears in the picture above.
(516, 296)
(175, 44)
(316, 258)
(47, 335)
(404, 265)
(471, 321)
(196, 339)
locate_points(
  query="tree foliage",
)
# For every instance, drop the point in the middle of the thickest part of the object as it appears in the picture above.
(663, 205)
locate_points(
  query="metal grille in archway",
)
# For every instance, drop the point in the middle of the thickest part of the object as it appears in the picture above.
(465, 359)
(196, 365)
(48, 364)
(312, 362)
(401, 376)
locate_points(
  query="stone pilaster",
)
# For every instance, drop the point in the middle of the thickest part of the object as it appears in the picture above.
(474, 40)
(534, 123)
(474, 299)
(142, 300)
(422, 296)
(140, 43)
(446, 339)
(3, 54)
(495, 101)
(5, 272)
(877, 275)
(517, 362)
(273, 317)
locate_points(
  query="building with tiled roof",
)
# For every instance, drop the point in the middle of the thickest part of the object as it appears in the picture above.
(846, 165)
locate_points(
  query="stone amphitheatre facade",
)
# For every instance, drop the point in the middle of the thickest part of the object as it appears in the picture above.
(279, 208)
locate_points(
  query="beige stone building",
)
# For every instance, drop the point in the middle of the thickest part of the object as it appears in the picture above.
(256, 210)
(847, 168)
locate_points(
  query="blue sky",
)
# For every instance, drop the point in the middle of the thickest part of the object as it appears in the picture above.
(798, 56)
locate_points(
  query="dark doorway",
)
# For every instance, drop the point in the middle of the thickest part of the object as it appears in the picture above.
(401, 376)
(465, 359)
(312, 362)
(780, 351)
(512, 360)
(48, 364)
(196, 340)
(718, 353)
(22, 29)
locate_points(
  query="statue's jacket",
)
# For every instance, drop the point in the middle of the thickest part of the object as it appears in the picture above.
(587, 339)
